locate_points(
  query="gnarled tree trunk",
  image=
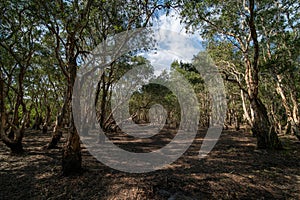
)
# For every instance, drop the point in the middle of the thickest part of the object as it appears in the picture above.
(265, 133)
(292, 125)
(57, 130)
(71, 158)
(15, 142)
(263, 130)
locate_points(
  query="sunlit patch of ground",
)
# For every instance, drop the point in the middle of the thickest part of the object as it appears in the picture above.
(233, 170)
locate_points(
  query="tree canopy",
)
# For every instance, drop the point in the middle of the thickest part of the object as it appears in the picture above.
(254, 44)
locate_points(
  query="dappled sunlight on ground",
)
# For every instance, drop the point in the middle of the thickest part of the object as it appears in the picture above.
(233, 170)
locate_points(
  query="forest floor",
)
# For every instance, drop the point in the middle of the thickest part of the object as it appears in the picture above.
(232, 170)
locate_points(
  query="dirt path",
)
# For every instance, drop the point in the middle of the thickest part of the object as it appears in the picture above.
(233, 170)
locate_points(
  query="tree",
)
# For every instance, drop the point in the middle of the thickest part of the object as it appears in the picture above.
(280, 56)
(238, 23)
(17, 48)
(194, 77)
(78, 27)
(67, 22)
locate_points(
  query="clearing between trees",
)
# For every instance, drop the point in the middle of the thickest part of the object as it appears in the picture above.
(233, 170)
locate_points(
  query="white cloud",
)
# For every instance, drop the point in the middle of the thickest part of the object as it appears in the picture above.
(173, 43)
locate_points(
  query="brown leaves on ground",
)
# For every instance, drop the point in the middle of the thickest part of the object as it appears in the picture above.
(233, 170)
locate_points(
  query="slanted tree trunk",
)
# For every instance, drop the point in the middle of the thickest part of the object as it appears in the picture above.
(247, 116)
(47, 118)
(276, 122)
(291, 121)
(265, 133)
(15, 142)
(57, 130)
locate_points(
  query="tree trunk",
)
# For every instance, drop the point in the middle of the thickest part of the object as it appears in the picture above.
(37, 122)
(276, 122)
(291, 117)
(59, 122)
(295, 116)
(246, 113)
(47, 119)
(104, 100)
(265, 133)
(15, 144)
(57, 132)
(14, 141)
(237, 120)
(71, 158)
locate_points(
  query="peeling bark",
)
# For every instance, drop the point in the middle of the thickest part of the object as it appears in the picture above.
(292, 125)
(265, 133)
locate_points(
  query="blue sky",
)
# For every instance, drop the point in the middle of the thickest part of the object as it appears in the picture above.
(173, 43)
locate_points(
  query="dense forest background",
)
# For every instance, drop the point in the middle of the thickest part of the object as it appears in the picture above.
(254, 44)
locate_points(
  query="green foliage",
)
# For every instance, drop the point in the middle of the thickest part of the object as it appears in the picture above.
(35, 38)
(225, 24)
